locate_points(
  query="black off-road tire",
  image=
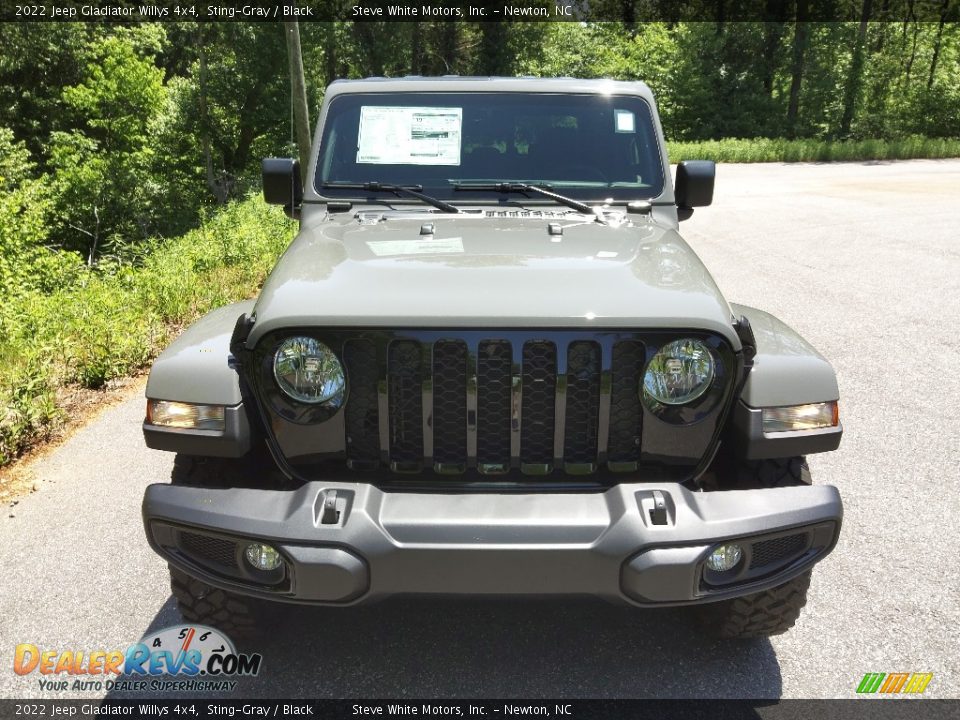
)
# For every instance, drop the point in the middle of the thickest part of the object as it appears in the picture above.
(779, 472)
(255, 469)
(771, 612)
(236, 615)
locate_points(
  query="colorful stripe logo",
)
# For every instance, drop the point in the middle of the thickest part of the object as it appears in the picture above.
(894, 683)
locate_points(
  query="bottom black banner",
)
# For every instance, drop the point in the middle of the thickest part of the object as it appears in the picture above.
(867, 709)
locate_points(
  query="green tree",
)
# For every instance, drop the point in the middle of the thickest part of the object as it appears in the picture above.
(26, 264)
(233, 107)
(103, 179)
(39, 60)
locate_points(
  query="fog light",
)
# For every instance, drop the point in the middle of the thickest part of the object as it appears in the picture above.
(167, 413)
(263, 557)
(725, 558)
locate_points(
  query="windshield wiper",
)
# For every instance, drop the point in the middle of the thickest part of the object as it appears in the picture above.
(398, 190)
(516, 187)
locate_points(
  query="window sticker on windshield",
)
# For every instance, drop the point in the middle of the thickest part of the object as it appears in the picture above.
(624, 121)
(442, 246)
(409, 135)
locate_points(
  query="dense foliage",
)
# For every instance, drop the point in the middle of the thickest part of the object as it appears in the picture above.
(115, 137)
(106, 323)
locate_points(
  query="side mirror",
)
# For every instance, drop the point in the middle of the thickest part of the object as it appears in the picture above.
(281, 182)
(694, 185)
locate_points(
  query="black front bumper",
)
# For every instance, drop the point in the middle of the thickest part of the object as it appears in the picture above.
(609, 544)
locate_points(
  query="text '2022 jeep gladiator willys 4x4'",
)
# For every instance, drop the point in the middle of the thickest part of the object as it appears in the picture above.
(489, 364)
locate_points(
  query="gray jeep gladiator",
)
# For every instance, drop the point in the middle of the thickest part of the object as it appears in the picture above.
(489, 365)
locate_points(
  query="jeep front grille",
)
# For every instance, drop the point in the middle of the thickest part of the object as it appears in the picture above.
(495, 404)
(477, 407)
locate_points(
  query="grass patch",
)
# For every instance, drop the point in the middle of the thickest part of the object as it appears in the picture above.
(757, 150)
(114, 321)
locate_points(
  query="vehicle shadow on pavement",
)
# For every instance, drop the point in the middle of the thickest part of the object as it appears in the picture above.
(439, 648)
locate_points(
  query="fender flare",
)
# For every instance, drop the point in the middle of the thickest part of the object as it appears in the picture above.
(194, 369)
(787, 370)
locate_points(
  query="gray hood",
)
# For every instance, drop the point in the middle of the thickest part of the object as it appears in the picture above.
(376, 269)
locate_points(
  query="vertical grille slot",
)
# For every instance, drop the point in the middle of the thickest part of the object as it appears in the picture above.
(493, 406)
(538, 405)
(583, 405)
(362, 416)
(623, 445)
(404, 372)
(450, 406)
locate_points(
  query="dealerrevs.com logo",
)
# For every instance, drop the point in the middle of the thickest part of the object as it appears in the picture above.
(179, 658)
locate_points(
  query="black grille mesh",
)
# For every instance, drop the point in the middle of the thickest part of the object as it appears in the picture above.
(538, 402)
(494, 376)
(362, 413)
(583, 403)
(450, 402)
(406, 402)
(778, 550)
(448, 367)
(213, 549)
(623, 444)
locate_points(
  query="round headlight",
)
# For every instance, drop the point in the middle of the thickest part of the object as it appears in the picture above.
(680, 373)
(309, 372)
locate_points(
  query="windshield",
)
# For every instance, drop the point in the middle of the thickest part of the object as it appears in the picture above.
(589, 147)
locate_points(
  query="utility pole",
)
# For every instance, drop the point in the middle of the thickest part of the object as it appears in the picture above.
(298, 92)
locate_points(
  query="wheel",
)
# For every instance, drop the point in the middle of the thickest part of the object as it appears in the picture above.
(201, 471)
(729, 472)
(771, 612)
(237, 615)
(780, 472)
(254, 470)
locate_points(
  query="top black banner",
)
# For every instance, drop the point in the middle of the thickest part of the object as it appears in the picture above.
(625, 11)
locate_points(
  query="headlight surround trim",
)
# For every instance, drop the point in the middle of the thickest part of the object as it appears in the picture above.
(679, 358)
(276, 398)
(710, 391)
(311, 362)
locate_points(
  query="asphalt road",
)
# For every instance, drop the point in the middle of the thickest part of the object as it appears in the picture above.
(862, 259)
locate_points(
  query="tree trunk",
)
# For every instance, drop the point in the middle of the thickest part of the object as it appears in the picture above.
(884, 21)
(217, 185)
(298, 93)
(913, 52)
(416, 49)
(94, 238)
(773, 30)
(628, 14)
(494, 53)
(449, 45)
(369, 39)
(330, 52)
(855, 76)
(936, 44)
(800, 37)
